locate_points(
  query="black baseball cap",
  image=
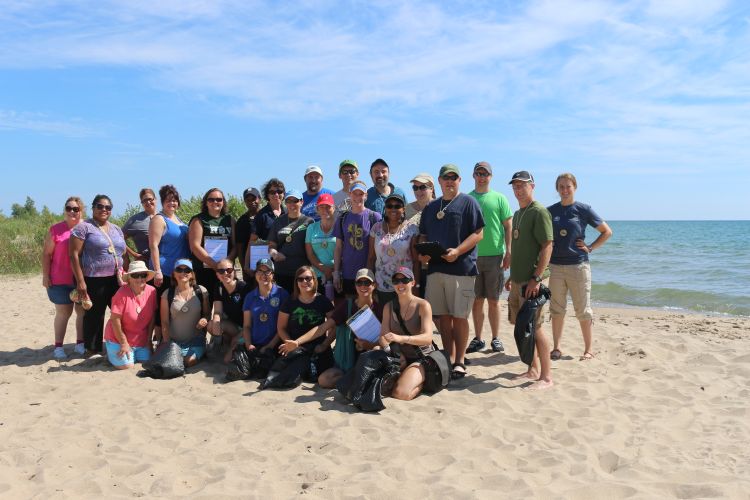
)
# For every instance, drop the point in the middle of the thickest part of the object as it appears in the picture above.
(523, 175)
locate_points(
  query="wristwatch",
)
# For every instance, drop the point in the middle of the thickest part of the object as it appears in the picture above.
(538, 279)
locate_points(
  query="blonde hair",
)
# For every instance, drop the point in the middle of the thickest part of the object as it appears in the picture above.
(566, 175)
(79, 202)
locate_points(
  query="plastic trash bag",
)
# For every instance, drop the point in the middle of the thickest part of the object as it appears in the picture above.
(166, 362)
(525, 330)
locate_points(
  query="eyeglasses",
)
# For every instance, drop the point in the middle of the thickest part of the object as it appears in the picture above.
(304, 279)
(481, 174)
(148, 200)
(183, 270)
(394, 206)
(400, 281)
(226, 270)
(214, 200)
(450, 177)
(138, 276)
(275, 191)
(75, 210)
(106, 208)
(348, 171)
(363, 282)
(292, 200)
(264, 273)
(423, 187)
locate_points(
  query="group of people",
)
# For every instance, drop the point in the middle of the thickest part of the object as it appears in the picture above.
(310, 260)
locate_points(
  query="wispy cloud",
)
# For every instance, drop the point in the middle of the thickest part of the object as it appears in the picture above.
(38, 122)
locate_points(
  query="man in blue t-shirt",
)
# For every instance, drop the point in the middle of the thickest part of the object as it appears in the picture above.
(454, 221)
(314, 183)
(381, 189)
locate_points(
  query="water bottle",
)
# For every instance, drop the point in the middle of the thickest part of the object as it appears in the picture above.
(329, 290)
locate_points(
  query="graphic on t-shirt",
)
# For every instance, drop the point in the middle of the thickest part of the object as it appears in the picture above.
(303, 316)
(355, 236)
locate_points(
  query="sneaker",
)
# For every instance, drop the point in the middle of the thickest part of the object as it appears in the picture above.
(59, 353)
(79, 349)
(475, 345)
(497, 345)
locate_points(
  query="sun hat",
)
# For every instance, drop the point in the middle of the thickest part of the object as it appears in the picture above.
(138, 266)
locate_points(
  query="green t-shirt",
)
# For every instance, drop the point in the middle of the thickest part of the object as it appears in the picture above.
(532, 226)
(495, 209)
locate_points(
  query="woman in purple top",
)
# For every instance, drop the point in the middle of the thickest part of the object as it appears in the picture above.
(57, 276)
(97, 251)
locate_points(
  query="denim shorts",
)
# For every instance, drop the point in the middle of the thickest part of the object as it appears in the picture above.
(60, 294)
(139, 354)
(190, 350)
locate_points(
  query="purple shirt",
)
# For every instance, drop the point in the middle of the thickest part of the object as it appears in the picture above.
(354, 232)
(96, 259)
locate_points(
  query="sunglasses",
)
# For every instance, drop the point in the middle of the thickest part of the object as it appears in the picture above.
(264, 273)
(227, 270)
(348, 171)
(183, 270)
(75, 210)
(275, 191)
(106, 208)
(304, 279)
(394, 206)
(214, 200)
(148, 200)
(481, 174)
(292, 200)
(138, 276)
(423, 187)
(451, 177)
(363, 282)
(400, 281)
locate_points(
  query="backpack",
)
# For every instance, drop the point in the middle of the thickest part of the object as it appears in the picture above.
(196, 289)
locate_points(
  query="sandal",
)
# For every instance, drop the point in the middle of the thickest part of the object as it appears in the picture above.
(586, 356)
(457, 374)
(555, 354)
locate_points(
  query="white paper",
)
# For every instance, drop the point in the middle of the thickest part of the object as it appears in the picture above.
(216, 248)
(365, 325)
(257, 252)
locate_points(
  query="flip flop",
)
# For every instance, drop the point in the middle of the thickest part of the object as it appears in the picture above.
(586, 356)
(555, 354)
(457, 374)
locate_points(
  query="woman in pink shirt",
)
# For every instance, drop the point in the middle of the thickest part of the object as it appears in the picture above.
(127, 336)
(57, 275)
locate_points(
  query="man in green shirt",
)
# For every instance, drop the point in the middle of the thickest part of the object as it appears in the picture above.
(531, 249)
(493, 257)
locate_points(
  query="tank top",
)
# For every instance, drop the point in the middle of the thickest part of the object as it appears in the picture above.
(414, 324)
(60, 272)
(219, 228)
(173, 245)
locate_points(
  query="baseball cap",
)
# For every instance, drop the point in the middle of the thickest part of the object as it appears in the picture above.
(396, 196)
(265, 262)
(365, 273)
(523, 175)
(293, 193)
(183, 262)
(405, 271)
(348, 162)
(424, 178)
(313, 168)
(358, 185)
(379, 161)
(449, 168)
(251, 191)
(484, 165)
(325, 199)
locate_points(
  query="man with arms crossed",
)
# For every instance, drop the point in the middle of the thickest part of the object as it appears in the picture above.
(455, 221)
(493, 257)
(531, 249)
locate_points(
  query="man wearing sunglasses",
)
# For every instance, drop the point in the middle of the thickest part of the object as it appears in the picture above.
(493, 257)
(455, 222)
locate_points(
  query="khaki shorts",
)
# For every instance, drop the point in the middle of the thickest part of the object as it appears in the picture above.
(450, 295)
(575, 278)
(515, 301)
(489, 282)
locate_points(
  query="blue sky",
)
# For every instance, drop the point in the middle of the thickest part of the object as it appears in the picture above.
(646, 102)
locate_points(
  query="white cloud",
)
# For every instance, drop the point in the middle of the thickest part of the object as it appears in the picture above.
(39, 122)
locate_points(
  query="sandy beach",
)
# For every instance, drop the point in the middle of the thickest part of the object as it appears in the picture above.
(662, 412)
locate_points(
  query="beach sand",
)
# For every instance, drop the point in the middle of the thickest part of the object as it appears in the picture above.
(661, 412)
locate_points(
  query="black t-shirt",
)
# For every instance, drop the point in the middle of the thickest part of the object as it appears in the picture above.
(264, 220)
(302, 317)
(232, 303)
(293, 250)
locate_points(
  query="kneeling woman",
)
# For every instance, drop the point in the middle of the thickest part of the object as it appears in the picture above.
(127, 335)
(412, 333)
(261, 309)
(229, 298)
(184, 313)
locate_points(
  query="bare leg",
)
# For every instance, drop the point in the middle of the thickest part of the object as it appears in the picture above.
(80, 311)
(477, 315)
(328, 379)
(460, 337)
(586, 330)
(446, 334)
(542, 346)
(493, 311)
(62, 315)
(558, 321)
(409, 384)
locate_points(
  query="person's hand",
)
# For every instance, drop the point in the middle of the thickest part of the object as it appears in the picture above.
(250, 347)
(211, 264)
(424, 259)
(532, 288)
(124, 350)
(507, 285)
(158, 278)
(337, 283)
(392, 337)
(278, 257)
(360, 344)
(214, 327)
(83, 293)
(288, 346)
(202, 323)
(583, 246)
(328, 273)
(506, 261)
(451, 255)
(46, 281)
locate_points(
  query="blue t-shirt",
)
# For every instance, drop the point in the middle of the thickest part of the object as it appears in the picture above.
(463, 216)
(264, 311)
(376, 201)
(568, 225)
(310, 203)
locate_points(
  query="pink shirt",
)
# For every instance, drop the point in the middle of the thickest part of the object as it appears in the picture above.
(135, 315)
(60, 272)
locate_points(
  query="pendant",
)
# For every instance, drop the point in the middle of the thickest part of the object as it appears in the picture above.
(323, 244)
(563, 232)
(391, 252)
(515, 234)
(111, 250)
(138, 310)
(263, 317)
(288, 239)
(440, 215)
(185, 309)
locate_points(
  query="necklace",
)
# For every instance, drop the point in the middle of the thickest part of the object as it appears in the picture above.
(138, 305)
(516, 232)
(441, 212)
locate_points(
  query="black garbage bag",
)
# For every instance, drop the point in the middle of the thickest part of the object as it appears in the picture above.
(287, 371)
(437, 371)
(525, 330)
(249, 364)
(166, 362)
(362, 385)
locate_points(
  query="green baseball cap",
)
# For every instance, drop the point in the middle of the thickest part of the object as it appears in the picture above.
(449, 169)
(348, 162)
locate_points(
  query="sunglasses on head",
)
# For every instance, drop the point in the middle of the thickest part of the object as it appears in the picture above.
(423, 187)
(450, 177)
(363, 282)
(214, 200)
(138, 276)
(72, 209)
(348, 171)
(148, 200)
(304, 279)
(183, 270)
(226, 270)
(400, 281)
(100, 206)
(394, 206)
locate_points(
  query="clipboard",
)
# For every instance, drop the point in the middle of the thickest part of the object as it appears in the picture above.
(257, 252)
(365, 325)
(432, 248)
